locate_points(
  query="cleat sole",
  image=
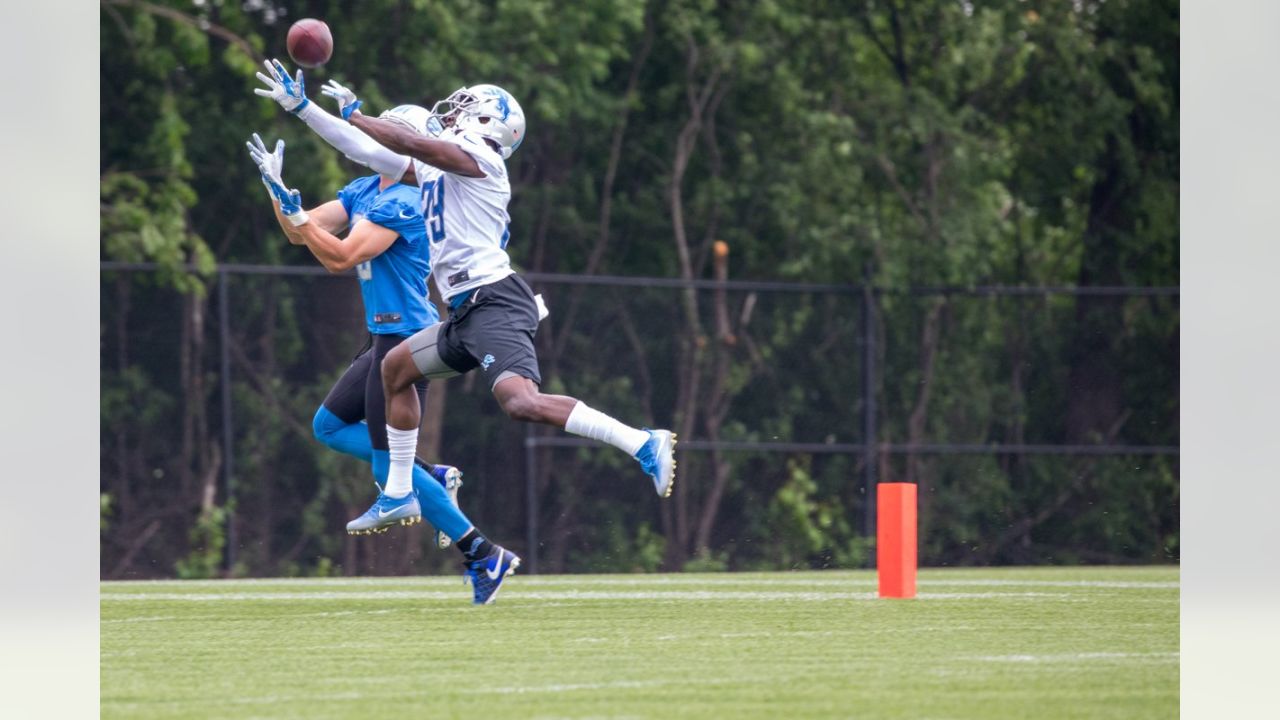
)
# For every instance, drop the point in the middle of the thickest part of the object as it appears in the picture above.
(671, 485)
(384, 528)
(453, 481)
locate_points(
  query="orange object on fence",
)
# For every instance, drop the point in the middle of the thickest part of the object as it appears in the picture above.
(896, 539)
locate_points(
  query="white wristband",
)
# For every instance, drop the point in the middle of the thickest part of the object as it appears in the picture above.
(298, 218)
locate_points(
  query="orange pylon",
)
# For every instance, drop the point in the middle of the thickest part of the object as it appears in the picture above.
(896, 539)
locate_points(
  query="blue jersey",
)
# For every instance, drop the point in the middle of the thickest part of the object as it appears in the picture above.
(393, 284)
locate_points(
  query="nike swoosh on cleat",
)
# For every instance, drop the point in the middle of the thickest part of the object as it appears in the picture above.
(497, 568)
(382, 514)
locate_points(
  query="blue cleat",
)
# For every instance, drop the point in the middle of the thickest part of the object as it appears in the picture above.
(487, 573)
(658, 458)
(387, 511)
(450, 478)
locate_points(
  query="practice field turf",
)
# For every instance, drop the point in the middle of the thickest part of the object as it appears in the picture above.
(989, 643)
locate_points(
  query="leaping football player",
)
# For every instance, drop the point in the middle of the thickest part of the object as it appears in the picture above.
(493, 313)
(387, 245)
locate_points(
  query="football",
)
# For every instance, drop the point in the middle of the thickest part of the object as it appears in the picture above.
(309, 42)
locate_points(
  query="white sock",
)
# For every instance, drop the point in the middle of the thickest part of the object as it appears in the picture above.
(401, 445)
(596, 425)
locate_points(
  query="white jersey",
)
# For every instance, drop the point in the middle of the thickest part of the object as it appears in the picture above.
(467, 220)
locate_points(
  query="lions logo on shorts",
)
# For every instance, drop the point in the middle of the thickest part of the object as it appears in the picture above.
(487, 361)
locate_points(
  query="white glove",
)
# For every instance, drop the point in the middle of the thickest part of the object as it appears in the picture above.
(347, 102)
(291, 93)
(271, 164)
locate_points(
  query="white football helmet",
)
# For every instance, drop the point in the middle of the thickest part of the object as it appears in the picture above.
(486, 110)
(416, 118)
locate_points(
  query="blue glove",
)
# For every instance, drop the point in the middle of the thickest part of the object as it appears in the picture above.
(347, 102)
(270, 165)
(291, 93)
(290, 200)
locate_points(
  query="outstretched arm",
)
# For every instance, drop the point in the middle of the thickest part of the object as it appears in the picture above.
(287, 204)
(290, 92)
(366, 241)
(401, 140)
(358, 146)
(331, 216)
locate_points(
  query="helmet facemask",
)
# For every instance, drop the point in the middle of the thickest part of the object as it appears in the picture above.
(449, 109)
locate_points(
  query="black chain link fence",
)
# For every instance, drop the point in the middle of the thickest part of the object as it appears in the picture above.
(1040, 423)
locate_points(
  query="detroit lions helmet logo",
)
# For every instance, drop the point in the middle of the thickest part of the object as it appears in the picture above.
(503, 105)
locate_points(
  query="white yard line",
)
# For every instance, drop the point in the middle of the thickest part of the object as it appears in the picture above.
(515, 594)
(1106, 584)
(498, 690)
(237, 700)
(615, 685)
(254, 596)
(643, 581)
(628, 684)
(1077, 657)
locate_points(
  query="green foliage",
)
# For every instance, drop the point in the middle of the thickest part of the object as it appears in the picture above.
(144, 222)
(208, 542)
(707, 562)
(625, 548)
(809, 529)
(104, 510)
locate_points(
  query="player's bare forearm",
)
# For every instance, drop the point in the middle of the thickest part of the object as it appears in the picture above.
(366, 241)
(401, 140)
(331, 216)
(389, 135)
(327, 248)
(289, 230)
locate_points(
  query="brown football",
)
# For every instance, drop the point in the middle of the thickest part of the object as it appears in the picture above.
(310, 44)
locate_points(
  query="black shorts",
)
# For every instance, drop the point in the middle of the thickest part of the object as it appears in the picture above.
(358, 393)
(493, 330)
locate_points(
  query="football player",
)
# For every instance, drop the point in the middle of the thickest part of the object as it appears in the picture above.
(387, 246)
(493, 313)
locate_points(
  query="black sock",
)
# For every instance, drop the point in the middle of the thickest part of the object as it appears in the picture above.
(474, 545)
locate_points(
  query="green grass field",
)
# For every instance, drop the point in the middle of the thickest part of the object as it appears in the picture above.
(989, 643)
